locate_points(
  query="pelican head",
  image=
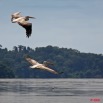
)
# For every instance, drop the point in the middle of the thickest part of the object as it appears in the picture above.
(46, 63)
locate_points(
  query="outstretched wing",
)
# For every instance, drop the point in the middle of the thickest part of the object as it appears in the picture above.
(32, 61)
(15, 15)
(48, 69)
(28, 28)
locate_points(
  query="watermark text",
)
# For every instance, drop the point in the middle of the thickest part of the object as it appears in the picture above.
(95, 100)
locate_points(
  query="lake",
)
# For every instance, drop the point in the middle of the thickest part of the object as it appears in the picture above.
(51, 90)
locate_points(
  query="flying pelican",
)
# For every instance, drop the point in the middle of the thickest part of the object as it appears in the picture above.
(22, 21)
(43, 66)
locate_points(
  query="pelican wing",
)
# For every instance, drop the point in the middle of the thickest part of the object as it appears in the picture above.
(48, 69)
(15, 15)
(28, 28)
(32, 61)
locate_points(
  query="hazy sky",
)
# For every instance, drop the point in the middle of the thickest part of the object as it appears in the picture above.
(76, 24)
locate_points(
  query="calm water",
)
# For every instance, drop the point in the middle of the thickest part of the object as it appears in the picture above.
(51, 90)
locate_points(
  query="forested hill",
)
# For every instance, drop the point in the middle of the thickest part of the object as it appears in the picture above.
(71, 62)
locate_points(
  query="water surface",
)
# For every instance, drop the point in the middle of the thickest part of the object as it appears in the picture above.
(51, 90)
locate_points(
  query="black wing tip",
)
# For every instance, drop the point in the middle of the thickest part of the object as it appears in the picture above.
(27, 36)
(28, 32)
(61, 72)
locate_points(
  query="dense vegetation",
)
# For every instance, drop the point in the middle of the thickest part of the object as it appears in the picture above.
(71, 62)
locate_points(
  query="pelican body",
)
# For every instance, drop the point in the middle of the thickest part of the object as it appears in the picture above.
(43, 66)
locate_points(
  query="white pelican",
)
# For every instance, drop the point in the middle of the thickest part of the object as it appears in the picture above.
(22, 21)
(43, 66)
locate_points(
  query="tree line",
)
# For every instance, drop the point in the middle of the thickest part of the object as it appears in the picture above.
(71, 62)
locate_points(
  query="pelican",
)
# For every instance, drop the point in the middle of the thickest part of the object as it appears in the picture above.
(38, 65)
(22, 21)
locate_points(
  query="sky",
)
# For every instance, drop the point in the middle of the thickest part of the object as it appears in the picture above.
(76, 24)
